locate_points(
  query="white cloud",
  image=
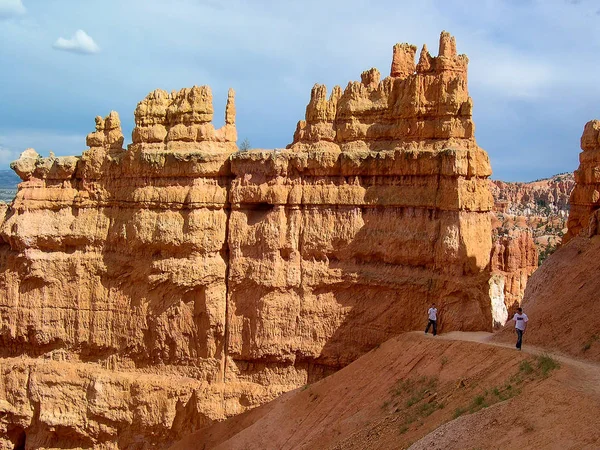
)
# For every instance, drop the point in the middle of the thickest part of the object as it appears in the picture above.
(81, 42)
(14, 142)
(511, 74)
(11, 8)
(7, 156)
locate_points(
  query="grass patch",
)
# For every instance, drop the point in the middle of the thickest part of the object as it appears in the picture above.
(525, 367)
(443, 361)
(529, 369)
(479, 400)
(459, 412)
(426, 409)
(586, 346)
(546, 364)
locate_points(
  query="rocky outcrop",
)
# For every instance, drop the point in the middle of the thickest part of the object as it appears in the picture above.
(231, 277)
(118, 259)
(514, 259)
(585, 198)
(422, 106)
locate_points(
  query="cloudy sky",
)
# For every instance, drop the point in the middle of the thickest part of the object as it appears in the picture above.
(532, 75)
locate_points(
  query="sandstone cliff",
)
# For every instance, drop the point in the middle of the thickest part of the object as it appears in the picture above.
(585, 198)
(514, 259)
(192, 282)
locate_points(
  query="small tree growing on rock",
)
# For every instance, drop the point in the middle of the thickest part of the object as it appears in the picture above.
(245, 145)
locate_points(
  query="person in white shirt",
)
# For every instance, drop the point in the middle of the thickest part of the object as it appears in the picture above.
(432, 314)
(521, 320)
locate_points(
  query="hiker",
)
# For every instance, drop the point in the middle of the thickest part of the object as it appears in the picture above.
(520, 319)
(432, 313)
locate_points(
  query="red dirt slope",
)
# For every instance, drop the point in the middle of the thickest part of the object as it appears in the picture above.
(411, 385)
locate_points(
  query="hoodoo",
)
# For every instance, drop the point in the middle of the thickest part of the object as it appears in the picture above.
(179, 282)
(585, 198)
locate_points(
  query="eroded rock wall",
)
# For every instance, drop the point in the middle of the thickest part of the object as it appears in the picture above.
(117, 260)
(238, 276)
(377, 208)
(514, 259)
(329, 257)
(585, 198)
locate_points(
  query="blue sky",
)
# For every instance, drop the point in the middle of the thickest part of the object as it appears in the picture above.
(532, 73)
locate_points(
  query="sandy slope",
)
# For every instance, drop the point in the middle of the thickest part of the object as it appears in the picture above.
(363, 405)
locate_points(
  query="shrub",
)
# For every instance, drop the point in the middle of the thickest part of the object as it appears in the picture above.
(546, 364)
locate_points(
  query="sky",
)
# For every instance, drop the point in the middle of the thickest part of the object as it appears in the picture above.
(532, 72)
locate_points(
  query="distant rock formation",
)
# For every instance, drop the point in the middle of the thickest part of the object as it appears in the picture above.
(180, 282)
(542, 197)
(528, 222)
(539, 207)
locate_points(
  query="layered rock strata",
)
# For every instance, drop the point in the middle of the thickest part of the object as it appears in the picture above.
(514, 259)
(118, 259)
(585, 198)
(237, 276)
(541, 197)
(539, 207)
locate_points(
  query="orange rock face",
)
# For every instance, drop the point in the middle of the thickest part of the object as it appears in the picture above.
(514, 259)
(585, 198)
(426, 106)
(239, 275)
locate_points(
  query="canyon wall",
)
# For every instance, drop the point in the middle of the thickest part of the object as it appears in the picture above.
(191, 282)
(585, 198)
(540, 208)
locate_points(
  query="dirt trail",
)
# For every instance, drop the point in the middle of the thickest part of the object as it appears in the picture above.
(587, 372)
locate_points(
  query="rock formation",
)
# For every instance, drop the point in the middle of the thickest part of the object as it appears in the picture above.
(548, 195)
(539, 207)
(585, 198)
(190, 282)
(514, 259)
(426, 106)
